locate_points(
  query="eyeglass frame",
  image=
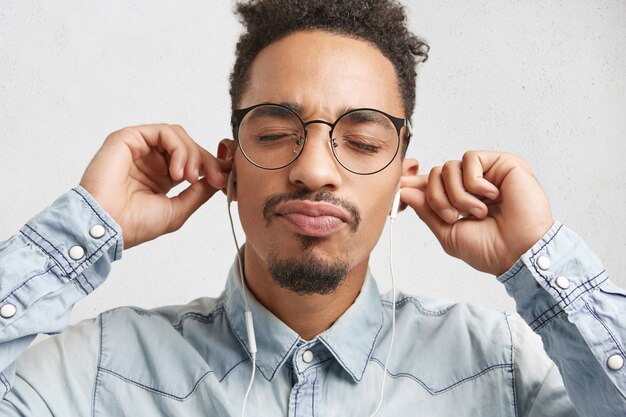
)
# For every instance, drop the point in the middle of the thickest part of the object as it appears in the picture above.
(238, 115)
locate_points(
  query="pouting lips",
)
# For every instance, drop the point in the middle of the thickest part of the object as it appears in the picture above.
(312, 218)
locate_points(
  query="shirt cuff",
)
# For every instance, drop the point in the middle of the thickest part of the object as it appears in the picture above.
(553, 276)
(559, 280)
(75, 231)
(72, 241)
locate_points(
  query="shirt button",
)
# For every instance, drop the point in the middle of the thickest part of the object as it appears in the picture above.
(615, 362)
(562, 282)
(307, 356)
(76, 252)
(7, 311)
(97, 231)
(543, 262)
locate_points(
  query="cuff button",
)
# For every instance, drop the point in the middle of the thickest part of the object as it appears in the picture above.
(562, 282)
(76, 252)
(543, 262)
(97, 231)
(7, 311)
(615, 362)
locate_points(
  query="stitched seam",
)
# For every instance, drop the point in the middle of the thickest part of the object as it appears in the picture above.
(585, 283)
(245, 348)
(313, 394)
(282, 359)
(508, 324)
(24, 283)
(336, 355)
(316, 365)
(448, 388)
(595, 316)
(295, 400)
(369, 354)
(418, 306)
(542, 325)
(236, 365)
(545, 278)
(5, 381)
(96, 379)
(513, 274)
(545, 317)
(43, 249)
(549, 240)
(53, 247)
(87, 259)
(154, 390)
(204, 318)
(87, 281)
(94, 210)
(77, 282)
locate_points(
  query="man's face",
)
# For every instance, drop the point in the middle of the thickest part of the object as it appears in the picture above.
(324, 74)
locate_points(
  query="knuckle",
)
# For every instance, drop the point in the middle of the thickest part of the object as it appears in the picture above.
(436, 200)
(449, 167)
(122, 134)
(434, 172)
(468, 155)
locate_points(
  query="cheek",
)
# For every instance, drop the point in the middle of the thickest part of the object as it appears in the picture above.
(375, 217)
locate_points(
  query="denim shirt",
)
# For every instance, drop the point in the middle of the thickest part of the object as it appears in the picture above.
(447, 360)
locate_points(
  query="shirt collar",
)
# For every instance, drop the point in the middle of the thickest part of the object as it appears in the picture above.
(351, 339)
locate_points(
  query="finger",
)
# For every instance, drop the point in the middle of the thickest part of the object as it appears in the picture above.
(194, 159)
(414, 181)
(169, 138)
(474, 165)
(457, 194)
(177, 163)
(215, 171)
(188, 201)
(416, 199)
(437, 199)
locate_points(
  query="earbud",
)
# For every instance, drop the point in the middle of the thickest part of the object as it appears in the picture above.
(395, 207)
(232, 177)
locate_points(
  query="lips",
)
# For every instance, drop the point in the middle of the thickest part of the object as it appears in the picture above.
(312, 218)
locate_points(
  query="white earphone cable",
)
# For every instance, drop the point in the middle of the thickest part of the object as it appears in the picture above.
(393, 315)
(248, 315)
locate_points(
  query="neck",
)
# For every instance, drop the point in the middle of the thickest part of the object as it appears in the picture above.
(307, 315)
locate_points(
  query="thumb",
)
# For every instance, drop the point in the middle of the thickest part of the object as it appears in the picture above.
(188, 201)
(416, 199)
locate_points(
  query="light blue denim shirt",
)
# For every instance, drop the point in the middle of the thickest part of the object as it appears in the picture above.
(192, 360)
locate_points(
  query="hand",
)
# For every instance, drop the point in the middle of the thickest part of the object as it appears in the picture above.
(503, 209)
(137, 166)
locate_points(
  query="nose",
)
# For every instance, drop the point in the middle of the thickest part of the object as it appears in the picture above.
(316, 168)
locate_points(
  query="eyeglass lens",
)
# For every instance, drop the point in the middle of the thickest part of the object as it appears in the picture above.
(363, 141)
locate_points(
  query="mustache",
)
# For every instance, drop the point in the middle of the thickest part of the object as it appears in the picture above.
(304, 194)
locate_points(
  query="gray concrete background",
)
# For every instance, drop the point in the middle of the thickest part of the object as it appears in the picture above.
(545, 80)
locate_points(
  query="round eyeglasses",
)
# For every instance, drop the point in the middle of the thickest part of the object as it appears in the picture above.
(272, 136)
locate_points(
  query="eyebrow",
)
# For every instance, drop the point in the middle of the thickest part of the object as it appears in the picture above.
(365, 117)
(273, 111)
(299, 108)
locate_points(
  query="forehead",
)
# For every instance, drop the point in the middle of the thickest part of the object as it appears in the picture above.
(323, 73)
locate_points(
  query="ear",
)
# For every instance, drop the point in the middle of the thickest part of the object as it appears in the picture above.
(226, 150)
(410, 168)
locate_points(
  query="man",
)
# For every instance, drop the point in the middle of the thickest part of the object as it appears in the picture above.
(321, 103)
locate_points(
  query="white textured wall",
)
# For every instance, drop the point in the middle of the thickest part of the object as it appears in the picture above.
(542, 79)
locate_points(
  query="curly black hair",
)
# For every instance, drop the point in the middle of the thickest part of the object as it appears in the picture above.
(380, 22)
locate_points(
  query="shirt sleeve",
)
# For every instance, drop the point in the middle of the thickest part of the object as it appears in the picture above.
(565, 295)
(58, 257)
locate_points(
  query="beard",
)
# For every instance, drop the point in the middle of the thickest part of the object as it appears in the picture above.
(308, 275)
